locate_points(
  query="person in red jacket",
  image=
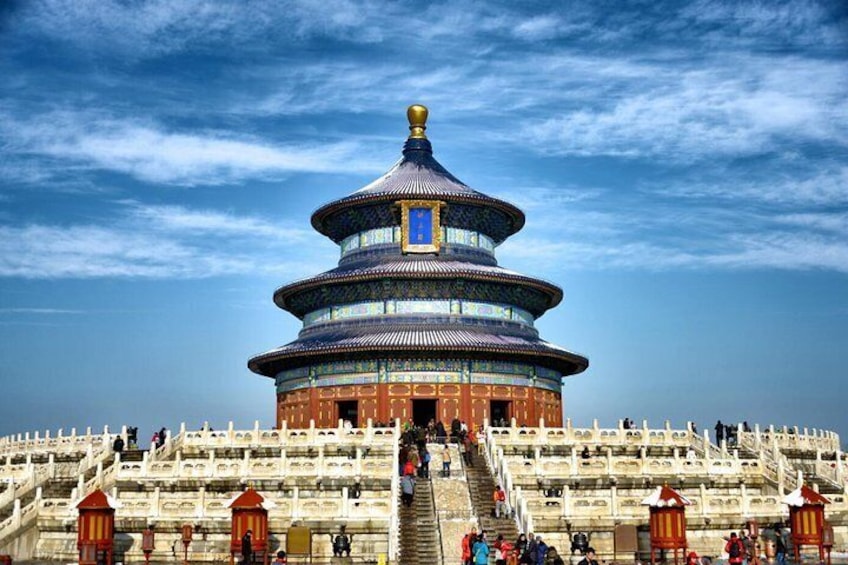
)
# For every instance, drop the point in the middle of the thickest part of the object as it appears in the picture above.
(467, 544)
(735, 550)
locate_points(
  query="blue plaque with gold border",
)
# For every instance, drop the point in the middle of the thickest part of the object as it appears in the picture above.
(420, 226)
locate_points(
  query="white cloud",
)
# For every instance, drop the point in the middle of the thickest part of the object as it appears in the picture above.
(39, 311)
(746, 108)
(155, 242)
(153, 154)
(178, 219)
(791, 185)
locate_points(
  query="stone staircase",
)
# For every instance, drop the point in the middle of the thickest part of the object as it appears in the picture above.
(481, 486)
(419, 533)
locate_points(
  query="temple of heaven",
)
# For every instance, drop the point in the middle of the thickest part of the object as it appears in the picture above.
(418, 321)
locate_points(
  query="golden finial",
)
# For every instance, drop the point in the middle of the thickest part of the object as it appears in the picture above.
(417, 116)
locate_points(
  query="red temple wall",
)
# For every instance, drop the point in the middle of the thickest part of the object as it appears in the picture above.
(385, 402)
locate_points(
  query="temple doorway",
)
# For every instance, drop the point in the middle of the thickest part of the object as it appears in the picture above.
(423, 410)
(500, 412)
(349, 410)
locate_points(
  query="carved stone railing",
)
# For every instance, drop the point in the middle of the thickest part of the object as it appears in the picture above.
(570, 436)
(318, 466)
(793, 438)
(21, 518)
(555, 467)
(311, 436)
(21, 444)
(394, 518)
(200, 504)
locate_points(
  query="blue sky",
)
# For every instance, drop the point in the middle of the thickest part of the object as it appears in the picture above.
(683, 168)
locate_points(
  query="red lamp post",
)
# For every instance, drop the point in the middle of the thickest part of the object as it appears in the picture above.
(806, 518)
(95, 528)
(187, 532)
(250, 512)
(668, 521)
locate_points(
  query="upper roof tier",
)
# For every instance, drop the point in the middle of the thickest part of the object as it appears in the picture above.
(417, 176)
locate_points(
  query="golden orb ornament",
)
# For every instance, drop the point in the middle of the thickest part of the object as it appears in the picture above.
(417, 116)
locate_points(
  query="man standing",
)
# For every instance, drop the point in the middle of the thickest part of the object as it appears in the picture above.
(247, 547)
(500, 501)
(446, 461)
(532, 553)
(735, 550)
(719, 432)
(407, 489)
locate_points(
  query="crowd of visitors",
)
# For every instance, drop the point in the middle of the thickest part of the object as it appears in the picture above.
(526, 550)
(729, 432)
(131, 443)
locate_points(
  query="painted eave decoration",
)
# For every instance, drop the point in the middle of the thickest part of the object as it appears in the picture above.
(666, 496)
(804, 495)
(250, 499)
(98, 500)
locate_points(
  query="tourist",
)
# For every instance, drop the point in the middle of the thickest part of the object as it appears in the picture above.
(281, 558)
(502, 549)
(735, 550)
(779, 545)
(247, 547)
(468, 450)
(155, 440)
(589, 558)
(499, 497)
(132, 437)
(541, 551)
(341, 544)
(531, 555)
(414, 459)
(163, 435)
(407, 488)
(118, 445)
(719, 433)
(456, 429)
(521, 547)
(693, 559)
(480, 549)
(446, 461)
(441, 433)
(475, 443)
(425, 464)
(585, 453)
(750, 548)
(746, 427)
(553, 558)
(409, 467)
(466, 545)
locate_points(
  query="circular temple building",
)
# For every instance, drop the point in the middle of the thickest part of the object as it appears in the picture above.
(418, 321)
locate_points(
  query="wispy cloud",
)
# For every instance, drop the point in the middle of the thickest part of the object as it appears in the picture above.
(155, 154)
(152, 242)
(203, 222)
(665, 234)
(813, 183)
(745, 108)
(40, 311)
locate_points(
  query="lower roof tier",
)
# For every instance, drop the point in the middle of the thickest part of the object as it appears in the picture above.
(417, 341)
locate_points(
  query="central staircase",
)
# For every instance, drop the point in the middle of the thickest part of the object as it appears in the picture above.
(481, 487)
(419, 533)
